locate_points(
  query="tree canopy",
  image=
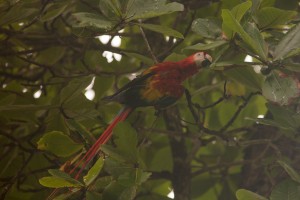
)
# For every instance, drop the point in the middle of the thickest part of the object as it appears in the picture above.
(234, 135)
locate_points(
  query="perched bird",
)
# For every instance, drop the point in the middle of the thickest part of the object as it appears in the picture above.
(159, 86)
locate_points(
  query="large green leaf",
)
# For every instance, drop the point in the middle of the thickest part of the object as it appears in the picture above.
(134, 178)
(253, 31)
(117, 191)
(201, 184)
(162, 29)
(126, 140)
(140, 9)
(56, 182)
(59, 179)
(234, 25)
(280, 89)
(246, 76)
(110, 8)
(7, 100)
(78, 127)
(20, 11)
(289, 42)
(237, 12)
(54, 9)
(243, 194)
(56, 53)
(59, 144)
(74, 88)
(284, 117)
(92, 20)
(288, 190)
(240, 10)
(269, 17)
(161, 160)
(201, 46)
(93, 172)
(209, 28)
(143, 58)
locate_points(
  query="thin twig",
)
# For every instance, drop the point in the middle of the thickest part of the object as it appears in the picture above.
(148, 45)
(241, 107)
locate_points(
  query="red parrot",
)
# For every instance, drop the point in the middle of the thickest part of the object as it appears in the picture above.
(158, 86)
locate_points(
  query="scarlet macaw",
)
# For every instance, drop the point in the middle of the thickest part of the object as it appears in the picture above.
(158, 86)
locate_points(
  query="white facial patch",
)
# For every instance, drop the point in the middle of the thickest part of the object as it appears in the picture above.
(199, 58)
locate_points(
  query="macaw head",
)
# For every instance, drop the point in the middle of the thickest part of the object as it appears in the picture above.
(202, 59)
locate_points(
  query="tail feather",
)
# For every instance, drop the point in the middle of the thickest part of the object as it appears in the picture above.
(90, 154)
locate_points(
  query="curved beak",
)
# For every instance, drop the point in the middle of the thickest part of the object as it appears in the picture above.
(208, 60)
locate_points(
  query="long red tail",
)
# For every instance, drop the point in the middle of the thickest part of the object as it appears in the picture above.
(90, 154)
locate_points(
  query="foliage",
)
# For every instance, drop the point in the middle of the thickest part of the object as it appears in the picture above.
(233, 136)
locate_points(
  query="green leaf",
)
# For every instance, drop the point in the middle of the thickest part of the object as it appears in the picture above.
(54, 10)
(59, 179)
(290, 42)
(269, 122)
(56, 182)
(110, 8)
(102, 182)
(134, 178)
(60, 174)
(74, 88)
(292, 173)
(129, 193)
(93, 172)
(246, 76)
(75, 125)
(208, 88)
(208, 28)
(234, 25)
(269, 17)
(93, 196)
(267, 3)
(92, 20)
(283, 116)
(208, 46)
(223, 65)
(59, 144)
(295, 67)
(56, 53)
(288, 190)
(162, 29)
(113, 153)
(7, 100)
(143, 58)
(55, 121)
(279, 89)
(242, 194)
(126, 140)
(117, 191)
(292, 53)
(18, 12)
(175, 57)
(161, 160)
(201, 184)
(102, 85)
(237, 13)
(140, 9)
(253, 31)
